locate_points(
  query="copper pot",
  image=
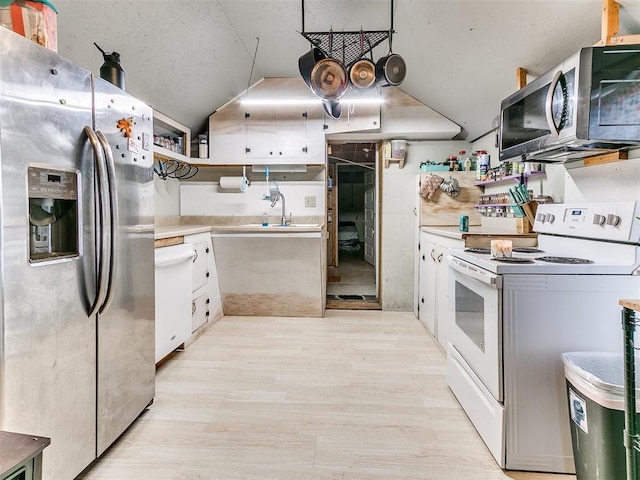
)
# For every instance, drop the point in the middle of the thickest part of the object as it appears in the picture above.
(362, 74)
(329, 79)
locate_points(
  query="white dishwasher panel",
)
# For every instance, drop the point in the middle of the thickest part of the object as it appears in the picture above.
(173, 274)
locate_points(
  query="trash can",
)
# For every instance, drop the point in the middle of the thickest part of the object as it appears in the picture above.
(595, 394)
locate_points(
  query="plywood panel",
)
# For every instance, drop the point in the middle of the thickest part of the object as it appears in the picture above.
(443, 209)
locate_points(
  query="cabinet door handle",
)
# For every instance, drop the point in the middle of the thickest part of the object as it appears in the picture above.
(195, 256)
(440, 258)
(432, 252)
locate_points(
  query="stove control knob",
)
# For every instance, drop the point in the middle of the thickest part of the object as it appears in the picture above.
(551, 217)
(613, 220)
(541, 217)
(599, 219)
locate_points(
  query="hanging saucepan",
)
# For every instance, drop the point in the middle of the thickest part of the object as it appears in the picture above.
(307, 61)
(329, 79)
(362, 74)
(390, 70)
(332, 108)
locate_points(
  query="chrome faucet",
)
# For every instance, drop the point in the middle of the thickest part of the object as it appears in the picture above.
(275, 196)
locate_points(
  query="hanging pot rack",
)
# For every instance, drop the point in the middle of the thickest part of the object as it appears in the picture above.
(346, 47)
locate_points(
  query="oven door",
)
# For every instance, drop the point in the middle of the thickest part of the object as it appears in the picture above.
(475, 300)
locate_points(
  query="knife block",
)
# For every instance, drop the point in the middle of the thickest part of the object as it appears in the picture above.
(529, 210)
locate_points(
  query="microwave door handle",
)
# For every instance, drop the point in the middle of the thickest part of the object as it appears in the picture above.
(549, 103)
(103, 220)
(113, 220)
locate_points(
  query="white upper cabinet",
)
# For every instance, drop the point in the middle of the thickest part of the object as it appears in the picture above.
(268, 134)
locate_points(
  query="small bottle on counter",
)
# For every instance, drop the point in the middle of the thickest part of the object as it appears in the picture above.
(467, 164)
(265, 220)
(464, 223)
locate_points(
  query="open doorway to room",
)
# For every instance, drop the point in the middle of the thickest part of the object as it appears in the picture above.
(352, 253)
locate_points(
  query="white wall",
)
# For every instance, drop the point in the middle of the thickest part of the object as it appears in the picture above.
(206, 198)
(611, 182)
(398, 220)
(167, 197)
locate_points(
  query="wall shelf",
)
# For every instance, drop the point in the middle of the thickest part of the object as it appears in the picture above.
(166, 127)
(509, 178)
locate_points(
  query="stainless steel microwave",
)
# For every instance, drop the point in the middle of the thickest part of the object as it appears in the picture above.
(588, 105)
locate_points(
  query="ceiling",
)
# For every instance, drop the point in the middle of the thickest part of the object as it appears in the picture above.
(188, 58)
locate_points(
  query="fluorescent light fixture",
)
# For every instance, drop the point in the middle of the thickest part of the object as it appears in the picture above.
(310, 101)
(280, 101)
(362, 100)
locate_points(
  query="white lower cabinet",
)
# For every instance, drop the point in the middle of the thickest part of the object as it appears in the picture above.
(200, 311)
(206, 304)
(433, 295)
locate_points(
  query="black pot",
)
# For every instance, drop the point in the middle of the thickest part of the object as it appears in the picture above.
(390, 70)
(307, 61)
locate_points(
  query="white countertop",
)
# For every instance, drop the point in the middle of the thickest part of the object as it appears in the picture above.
(168, 231)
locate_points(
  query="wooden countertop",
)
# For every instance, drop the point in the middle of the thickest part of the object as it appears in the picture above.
(631, 304)
(17, 448)
(474, 231)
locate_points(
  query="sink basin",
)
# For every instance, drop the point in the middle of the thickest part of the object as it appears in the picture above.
(290, 225)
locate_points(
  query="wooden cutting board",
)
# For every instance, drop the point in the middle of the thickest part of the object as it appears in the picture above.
(441, 209)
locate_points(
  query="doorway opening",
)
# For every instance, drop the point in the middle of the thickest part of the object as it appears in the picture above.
(352, 212)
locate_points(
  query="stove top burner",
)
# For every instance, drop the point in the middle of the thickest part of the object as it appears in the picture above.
(486, 250)
(568, 260)
(512, 260)
(527, 250)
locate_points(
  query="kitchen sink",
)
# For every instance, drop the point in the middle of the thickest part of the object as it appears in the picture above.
(290, 225)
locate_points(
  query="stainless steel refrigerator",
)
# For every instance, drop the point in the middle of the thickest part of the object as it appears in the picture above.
(76, 259)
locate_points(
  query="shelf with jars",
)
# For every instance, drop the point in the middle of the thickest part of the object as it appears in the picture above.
(171, 140)
(497, 178)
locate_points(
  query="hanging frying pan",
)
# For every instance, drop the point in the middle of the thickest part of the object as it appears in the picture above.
(362, 73)
(329, 79)
(332, 108)
(390, 70)
(307, 61)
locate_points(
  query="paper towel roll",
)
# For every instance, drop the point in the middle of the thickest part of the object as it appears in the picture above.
(233, 183)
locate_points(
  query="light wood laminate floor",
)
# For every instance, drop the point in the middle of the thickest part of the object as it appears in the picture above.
(354, 395)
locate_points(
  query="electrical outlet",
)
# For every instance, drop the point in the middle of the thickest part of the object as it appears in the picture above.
(309, 202)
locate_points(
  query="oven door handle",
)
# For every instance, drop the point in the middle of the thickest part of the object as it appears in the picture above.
(472, 271)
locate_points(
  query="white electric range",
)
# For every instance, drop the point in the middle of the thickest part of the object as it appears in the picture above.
(509, 321)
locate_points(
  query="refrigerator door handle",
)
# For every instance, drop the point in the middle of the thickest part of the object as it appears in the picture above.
(103, 216)
(113, 220)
